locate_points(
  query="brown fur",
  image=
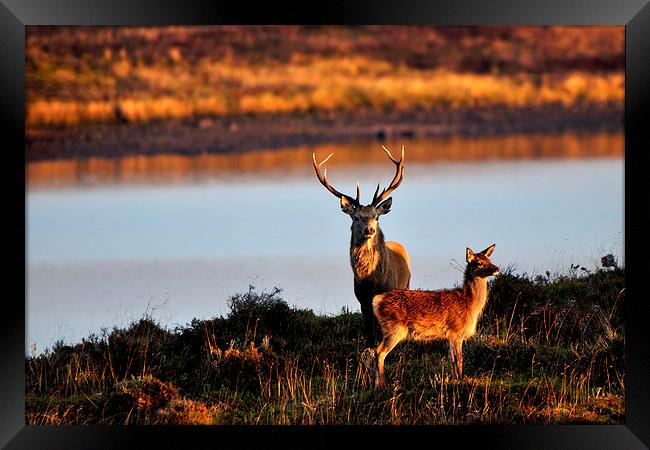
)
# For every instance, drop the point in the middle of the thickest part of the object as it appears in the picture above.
(427, 315)
(378, 266)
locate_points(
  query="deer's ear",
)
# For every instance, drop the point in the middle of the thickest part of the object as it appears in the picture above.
(384, 207)
(346, 206)
(488, 251)
(469, 255)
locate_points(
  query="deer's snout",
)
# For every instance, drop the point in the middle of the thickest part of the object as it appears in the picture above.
(369, 231)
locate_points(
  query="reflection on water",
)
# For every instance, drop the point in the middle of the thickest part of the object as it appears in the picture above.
(168, 169)
(109, 240)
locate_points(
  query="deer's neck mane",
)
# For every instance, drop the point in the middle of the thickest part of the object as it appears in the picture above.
(367, 257)
(476, 292)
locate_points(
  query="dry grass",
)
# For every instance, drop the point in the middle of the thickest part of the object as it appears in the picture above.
(323, 85)
(191, 72)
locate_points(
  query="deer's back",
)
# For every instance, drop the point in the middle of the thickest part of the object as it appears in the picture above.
(426, 314)
(399, 264)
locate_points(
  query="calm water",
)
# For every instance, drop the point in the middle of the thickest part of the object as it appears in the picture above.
(108, 241)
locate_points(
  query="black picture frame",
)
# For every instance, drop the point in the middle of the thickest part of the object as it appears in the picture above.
(16, 14)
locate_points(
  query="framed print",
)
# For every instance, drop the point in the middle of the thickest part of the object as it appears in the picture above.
(282, 227)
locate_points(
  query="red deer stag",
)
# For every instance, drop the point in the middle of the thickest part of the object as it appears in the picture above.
(427, 315)
(378, 265)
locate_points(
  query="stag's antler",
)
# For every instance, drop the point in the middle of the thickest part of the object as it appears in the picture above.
(323, 179)
(397, 179)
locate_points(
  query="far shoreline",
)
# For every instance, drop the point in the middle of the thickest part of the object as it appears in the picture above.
(237, 134)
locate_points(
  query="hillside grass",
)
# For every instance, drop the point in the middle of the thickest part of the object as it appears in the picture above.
(124, 74)
(549, 349)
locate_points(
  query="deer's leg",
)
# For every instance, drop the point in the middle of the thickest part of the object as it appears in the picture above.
(385, 346)
(368, 322)
(458, 356)
(452, 360)
(379, 366)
